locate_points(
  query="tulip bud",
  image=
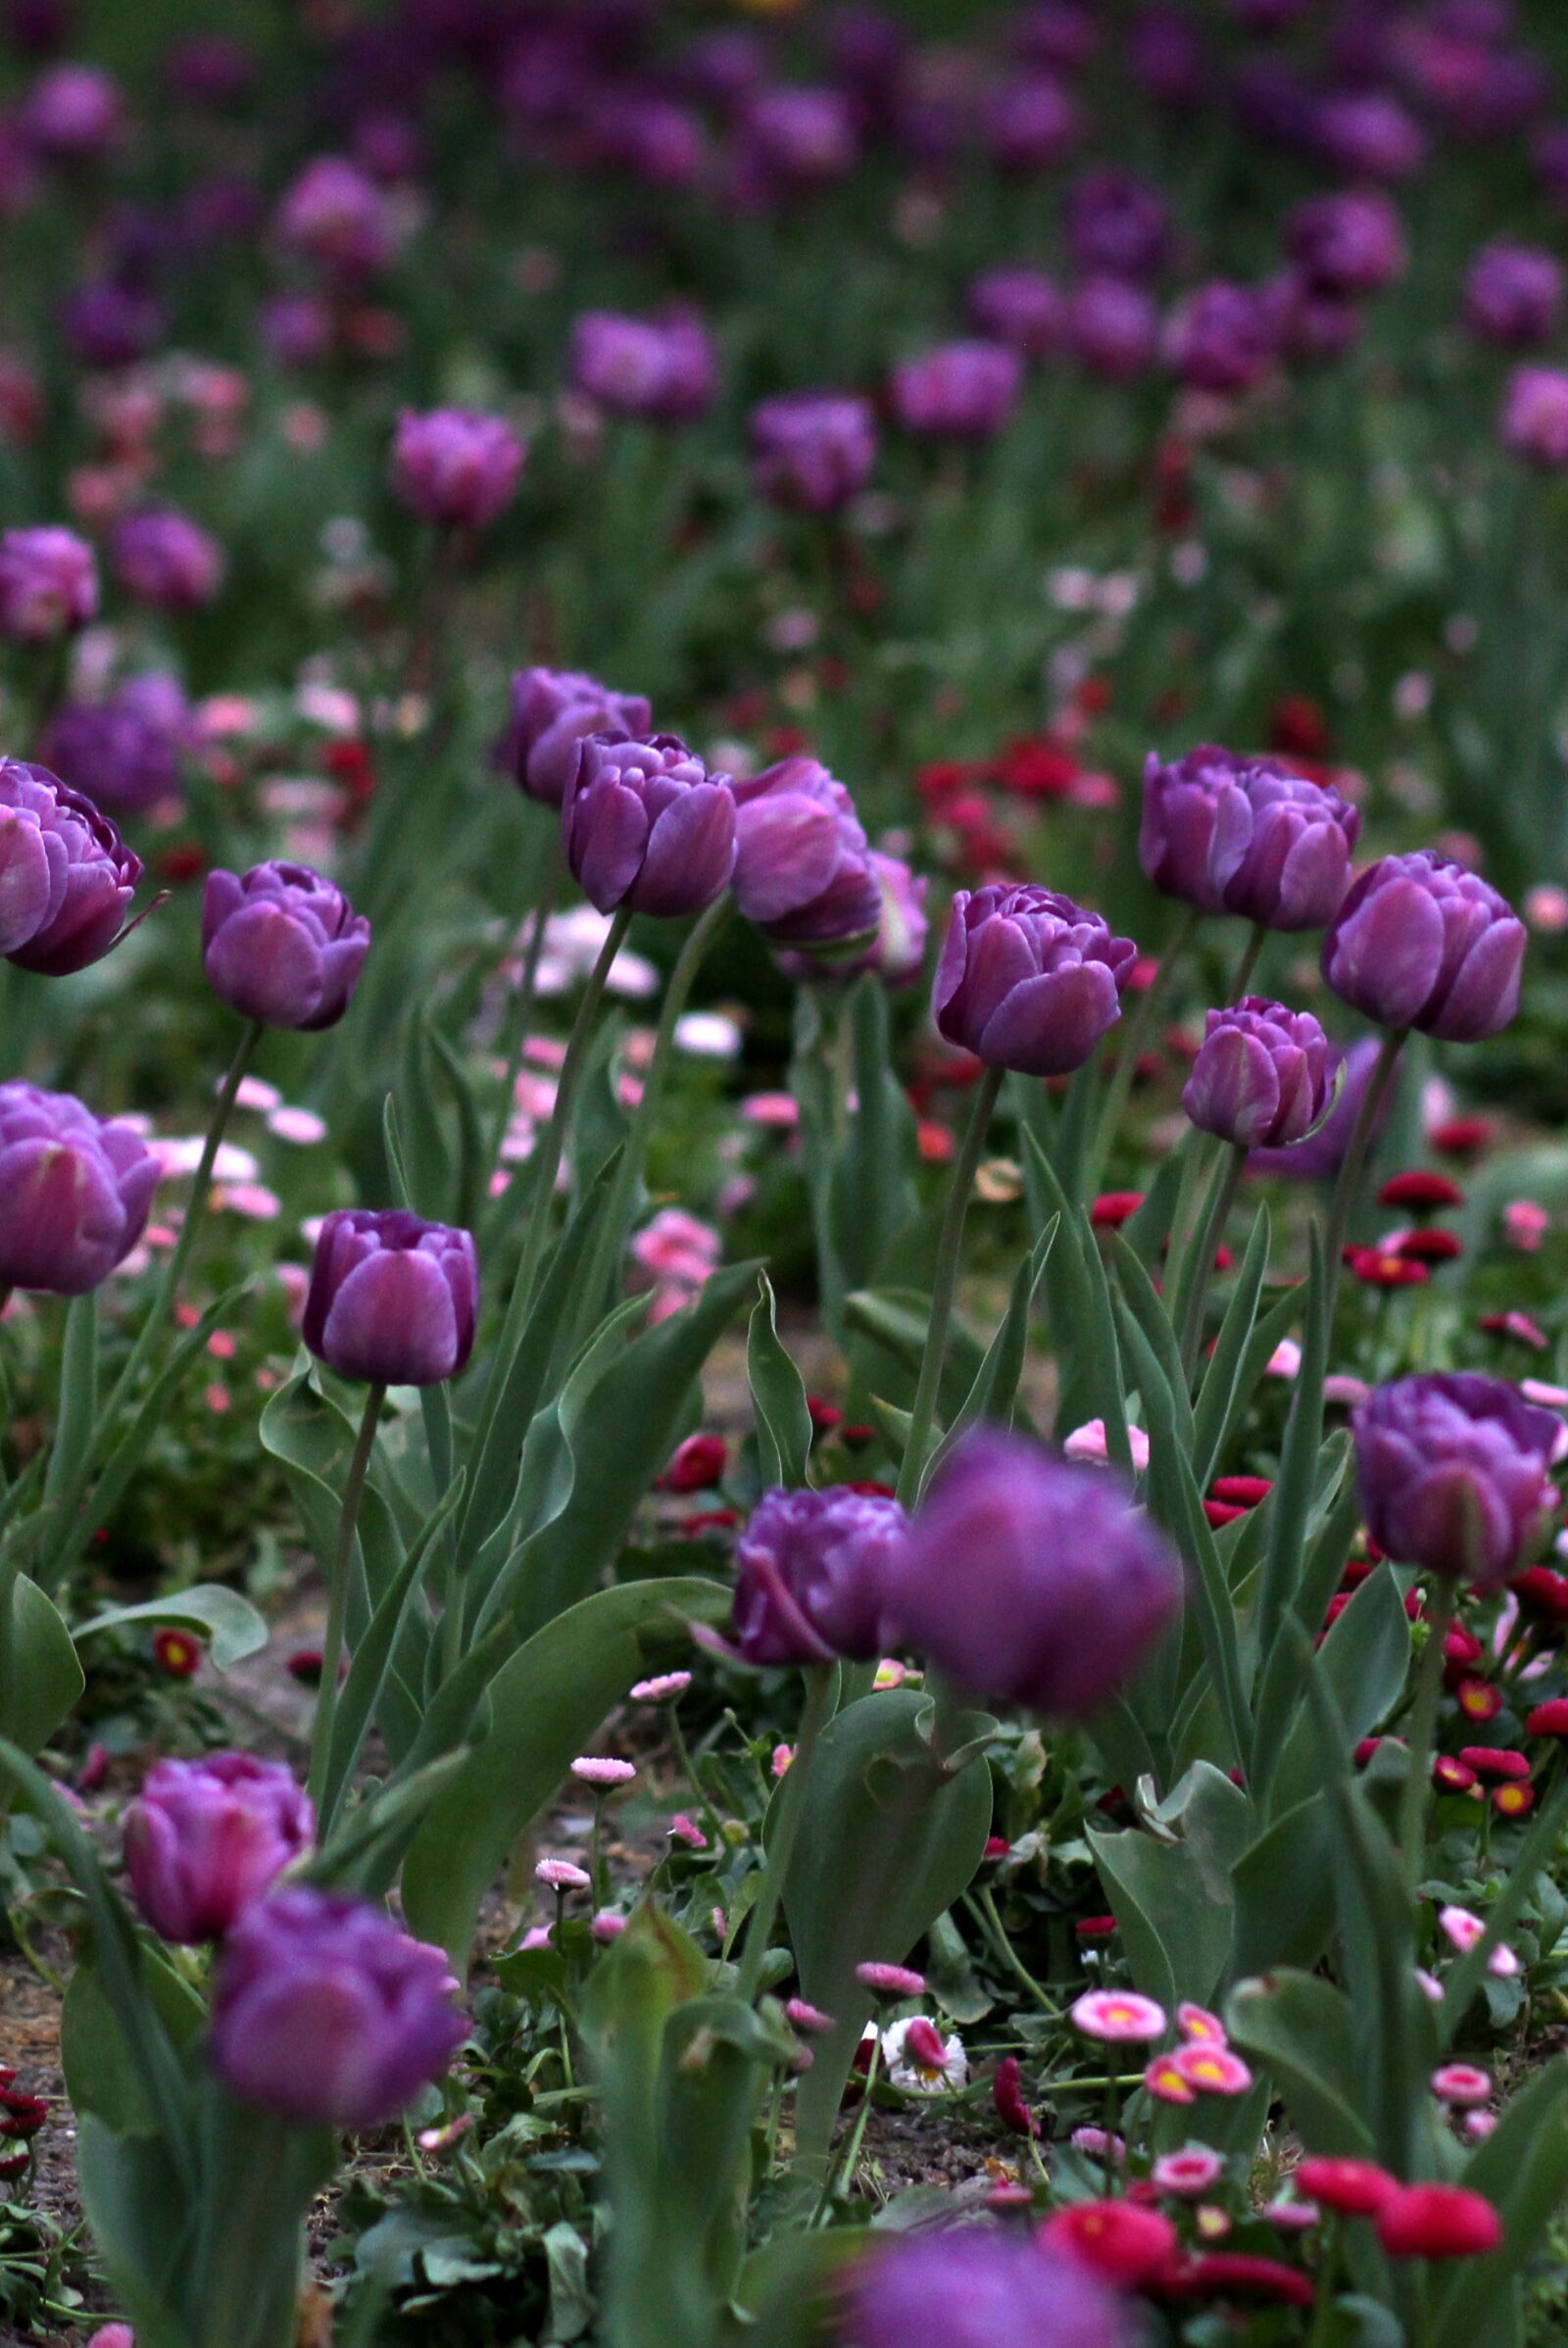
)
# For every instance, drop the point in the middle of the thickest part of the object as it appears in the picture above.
(1452, 1474)
(1420, 941)
(456, 468)
(813, 450)
(1349, 242)
(969, 2284)
(552, 709)
(334, 214)
(393, 1299)
(48, 584)
(167, 559)
(1227, 834)
(282, 944)
(964, 391)
(1028, 1580)
(122, 753)
(1028, 980)
(803, 870)
(1020, 306)
(1513, 295)
(646, 825)
(664, 370)
(66, 875)
(1261, 1076)
(74, 1192)
(811, 1573)
(327, 2014)
(205, 1840)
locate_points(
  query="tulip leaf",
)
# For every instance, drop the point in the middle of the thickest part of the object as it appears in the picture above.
(1142, 1304)
(46, 1674)
(1079, 1312)
(1173, 1910)
(871, 1196)
(75, 1424)
(1522, 2168)
(1299, 1459)
(545, 1706)
(1219, 1396)
(910, 1837)
(1304, 2031)
(995, 1390)
(896, 1319)
(137, 2207)
(1365, 1659)
(778, 1396)
(229, 1623)
(100, 2068)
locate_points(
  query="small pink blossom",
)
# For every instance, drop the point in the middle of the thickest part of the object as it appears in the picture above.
(559, 1874)
(596, 1770)
(1213, 2070)
(1096, 2143)
(662, 1690)
(1286, 1359)
(1291, 2217)
(778, 1111)
(1461, 2084)
(783, 1755)
(301, 1125)
(1463, 1928)
(1188, 2173)
(607, 1926)
(1090, 1443)
(1525, 1224)
(1478, 2125)
(810, 2019)
(682, 1829)
(1347, 1392)
(1197, 2022)
(1120, 2016)
(891, 1980)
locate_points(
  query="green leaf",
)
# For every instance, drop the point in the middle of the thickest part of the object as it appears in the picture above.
(995, 1382)
(1302, 2031)
(545, 1707)
(47, 1674)
(1082, 1323)
(897, 1319)
(1220, 1396)
(778, 1396)
(75, 1421)
(1177, 1934)
(102, 2074)
(911, 1838)
(230, 1625)
(1365, 1659)
(1141, 1304)
(135, 2207)
(871, 1193)
(1299, 1461)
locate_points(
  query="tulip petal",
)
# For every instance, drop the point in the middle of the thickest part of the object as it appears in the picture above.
(1050, 1025)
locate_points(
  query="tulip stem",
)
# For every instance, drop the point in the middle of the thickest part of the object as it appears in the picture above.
(337, 1603)
(1347, 1188)
(1423, 1727)
(950, 1251)
(1134, 1039)
(547, 1162)
(1249, 962)
(1221, 1198)
(522, 1003)
(791, 1799)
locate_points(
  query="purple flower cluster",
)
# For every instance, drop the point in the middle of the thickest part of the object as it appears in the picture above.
(1225, 833)
(74, 1192)
(393, 1300)
(1028, 980)
(646, 825)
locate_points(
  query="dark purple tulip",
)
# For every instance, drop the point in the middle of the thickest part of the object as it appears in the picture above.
(552, 709)
(1310, 326)
(898, 954)
(109, 324)
(1117, 225)
(335, 215)
(1059, 33)
(48, 583)
(167, 559)
(124, 752)
(810, 1574)
(72, 113)
(325, 2014)
(210, 69)
(74, 1191)
(1369, 135)
(1548, 150)
(456, 468)
(1221, 337)
(204, 1840)
(664, 370)
(1167, 57)
(798, 137)
(1513, 295)
(1032, 1581)
(961, 391)
(282, 944)
(296, 328)
(646, 825)
(1534, 417)
(1452, 1473)
(813, 451)
(66, 877)
(980, 2287)
(1261, 1076)
(1230, 834)
(803, 870)
(1028, 980)
(637, 136)
(1030, 123)
(1315, 1160)
(392, 1299)
(1020, 306)
(1419, 942)
(1351, 242)
(1112, 329)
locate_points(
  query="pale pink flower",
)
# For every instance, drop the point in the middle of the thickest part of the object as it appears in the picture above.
(1525, 1224)
(778, 1112)
(594, 1769)
(1189, 2172)
(559, 1874)
(1213, 2070)
(1096, 2143)
(607, 1926)
(810, 2019)
(661, 1690)
(1090, 1443)
(1461, 2084)
(1120, 2016)
(1462, 1928)
(1291, 2217)
(1197, 2022)
(1286, 1359)
(891, 1980)
(682, 1829)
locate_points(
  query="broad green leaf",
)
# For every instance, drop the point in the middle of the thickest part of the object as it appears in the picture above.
(1522, 2168)
(47, 1672)
(1145, 1307)
(1220, 1396)
(778, 1396)
(1302, 2031)
(229, 1624)
(1176, 1932)
(871, 1193)
(995, 1390)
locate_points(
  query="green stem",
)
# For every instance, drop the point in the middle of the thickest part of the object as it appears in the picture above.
(791, 1802)
(1221, 1198)
(689, 1765)
(842, 2172)
(1423, 1726)
(1135, 1035)
(950, 1251)
(337, 1597)
(1348, 1186)
(1248, 963)
(521, 1014)
(547, 1164)
(983, 1908)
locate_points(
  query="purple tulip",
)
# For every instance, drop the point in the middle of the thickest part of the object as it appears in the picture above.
(1534, 417)
(1028, 980)
(1367, 134)
(1513, 295)
(74, 1192)
(125, 753)
(552, 709)
(1452, 1473)
(639, 136)
(974, 2288)
(1112, 329)
(1031, 123)
(1167, 57)
(456, 468)
(167, 559)
(646, 825)
(1117, 225)
(1226, 833)
(1261, 1076)
(898, 954)
(66, 877)
(204, 1840)
(803, 870)
(664, 370)
(801, 136)
(813, 451)
(1221, 338)
(109, 324)
(1020, 306)
(325, 2014)
(282, 944)
(334, 214)
(1351, 242)
(1029, 1580)
(810, 1574)
(48, 584)
(1419, 942)
(393, 1299)
(961, 391)
(1323, 1153)
(72, 113)
(1310, 326)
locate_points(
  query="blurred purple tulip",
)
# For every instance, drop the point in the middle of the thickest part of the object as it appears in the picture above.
(1452, 1474)
(1513, 295)
(802, 869)
(164, 559)
(1020, 307)
(282, 944)
(813, 451)
(74, 1192)
(204, 1840)
(456, 468)
(48, 583)
(811, 1573)
(961, 391)
(1420, 941)
(552, 709)
(66, 877)
(664, 370)
(122, 753)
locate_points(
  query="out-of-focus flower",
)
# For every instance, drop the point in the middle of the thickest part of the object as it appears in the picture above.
(1349, 242)
(812, 451)
(800, 137)
(1420, 941)
(48, 583)
(327, 2014)
(961, 391)
(921, 2061)
(1120, 2017)
(1534, 415)
(664, 370)
(282, 944)
(1032, 1581)
(1227, 833)
(1221, 337)
(551, 711)
(204, 1840)
(455, 467)
(967, 2289)
(167, 559)
(1112, 329)
(1028, 980)
(1020, 306)
(393, 1299)
(1261, 1075)
(1438, 2222)
(803, 870)
(1122, 2243)
(812, 1574)
(1118, 224)
(66, 877)
(1453, 1472)
(74, 1192)
(73, 114)
(646, 825)
(1513, 295)
(122, 753)
(335, 216)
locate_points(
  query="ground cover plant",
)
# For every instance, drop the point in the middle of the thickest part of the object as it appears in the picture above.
(783, 891)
